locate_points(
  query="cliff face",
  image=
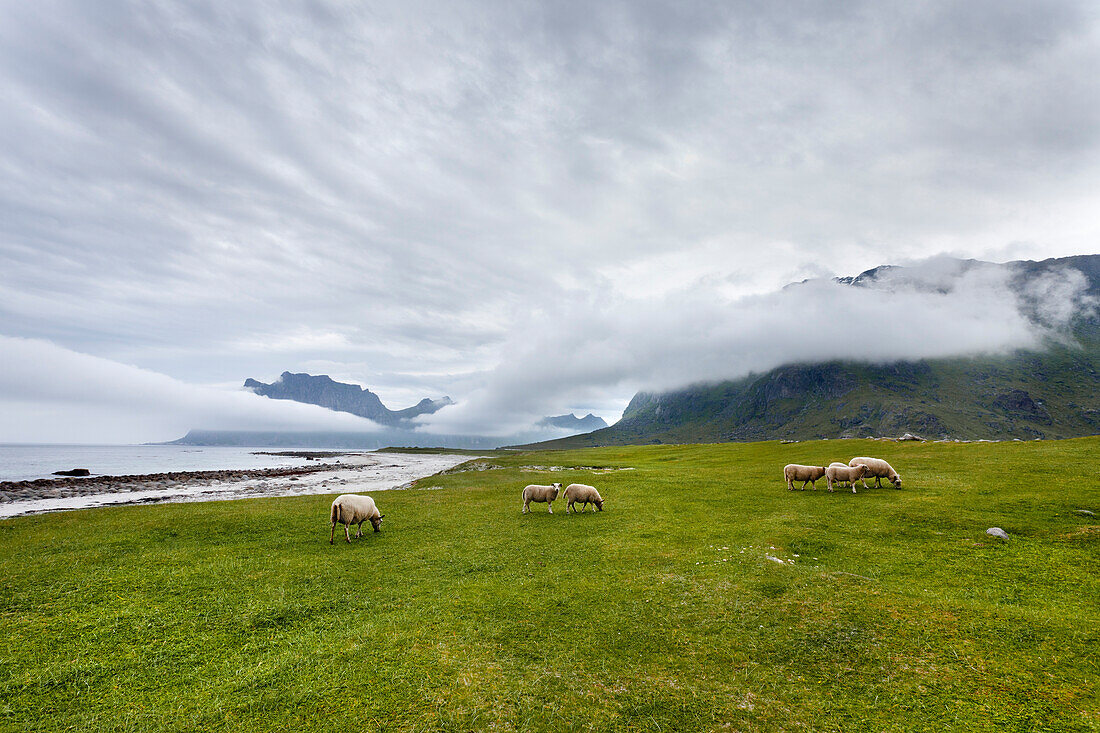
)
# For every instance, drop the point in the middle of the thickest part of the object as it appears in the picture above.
(323, 391)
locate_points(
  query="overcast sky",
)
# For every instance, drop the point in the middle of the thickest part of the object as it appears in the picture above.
(530, 207)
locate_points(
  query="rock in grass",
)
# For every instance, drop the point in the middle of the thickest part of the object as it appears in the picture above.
(997, 532)
(1084, 512)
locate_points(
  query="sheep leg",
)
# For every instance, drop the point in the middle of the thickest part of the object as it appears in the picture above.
(550, 507)
(526, 504)
(804, 484)
(878, 482)
(360, 532)
(790, 485)
(332, 533)
(347, 534)
(829, 481)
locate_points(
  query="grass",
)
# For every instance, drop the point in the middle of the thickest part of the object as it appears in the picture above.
(661, 613)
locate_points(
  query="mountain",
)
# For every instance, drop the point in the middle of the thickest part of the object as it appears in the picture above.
(399, 430)
(569, 421)
(1052, 393)
(335, 440)
(322, 390)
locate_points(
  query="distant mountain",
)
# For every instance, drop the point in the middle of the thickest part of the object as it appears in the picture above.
(569, 421)
(1053, 393)
(335, 440)
(322, 390)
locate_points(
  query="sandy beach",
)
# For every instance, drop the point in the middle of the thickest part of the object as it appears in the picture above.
(347, 473)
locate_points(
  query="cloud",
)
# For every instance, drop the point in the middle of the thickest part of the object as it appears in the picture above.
(939, 308)
(1057, 297)
(52, 394)
(214, 191)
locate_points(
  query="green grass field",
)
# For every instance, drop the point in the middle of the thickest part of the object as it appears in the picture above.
(661, 613)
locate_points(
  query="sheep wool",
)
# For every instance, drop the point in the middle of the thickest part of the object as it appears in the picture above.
(349, 509)
(542, 494)
(582, 494)
(838, 472)
(806, 474)
(877, 469)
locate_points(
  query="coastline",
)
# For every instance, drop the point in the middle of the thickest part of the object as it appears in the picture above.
(350, 474)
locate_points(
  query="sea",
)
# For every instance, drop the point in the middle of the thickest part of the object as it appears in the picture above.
(353, 471)
(23, 462)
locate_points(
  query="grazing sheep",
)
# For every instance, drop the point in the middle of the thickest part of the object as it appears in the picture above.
(840, 465)
(348, 509)
(806, 474)
(582, 493)
(540, 493)
(838, 472)
(879, 469)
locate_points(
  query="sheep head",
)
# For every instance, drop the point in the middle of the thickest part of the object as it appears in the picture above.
(376, 522)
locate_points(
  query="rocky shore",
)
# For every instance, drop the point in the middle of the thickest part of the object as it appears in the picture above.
(57, 488)
(361, 472)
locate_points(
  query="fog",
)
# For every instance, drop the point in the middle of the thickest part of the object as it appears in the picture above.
(49, 394)
(938, 308)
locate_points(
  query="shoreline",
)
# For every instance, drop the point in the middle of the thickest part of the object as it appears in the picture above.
(360, 472)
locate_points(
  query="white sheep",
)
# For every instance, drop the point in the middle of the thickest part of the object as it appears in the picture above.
(542, 494)
(879, 469)
(584, 494)
(839, 473)
(838, 464)
(348, 509)
(806, 474)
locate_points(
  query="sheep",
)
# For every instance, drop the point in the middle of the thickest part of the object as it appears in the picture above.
(879, 469)
(582, 493)
(838, 464)
(540, 493)
(838, 473)
(806, 474)
(348, 509)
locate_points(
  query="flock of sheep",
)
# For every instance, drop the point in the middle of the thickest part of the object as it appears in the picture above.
(857, 469)
(574, 494)
(349, 509)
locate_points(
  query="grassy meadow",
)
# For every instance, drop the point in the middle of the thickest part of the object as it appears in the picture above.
(661, 613)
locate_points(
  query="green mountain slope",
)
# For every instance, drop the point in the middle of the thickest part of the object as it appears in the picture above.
(1054, 393)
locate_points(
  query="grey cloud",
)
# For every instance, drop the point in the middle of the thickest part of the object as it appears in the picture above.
(185, 182)
(52, 394)
(935, 309)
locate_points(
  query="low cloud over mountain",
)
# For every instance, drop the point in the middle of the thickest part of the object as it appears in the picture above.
(937, 308)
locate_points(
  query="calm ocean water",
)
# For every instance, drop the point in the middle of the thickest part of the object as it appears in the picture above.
(23, 462)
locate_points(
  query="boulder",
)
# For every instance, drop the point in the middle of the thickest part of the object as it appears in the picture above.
(73, 472)
(997, 532)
